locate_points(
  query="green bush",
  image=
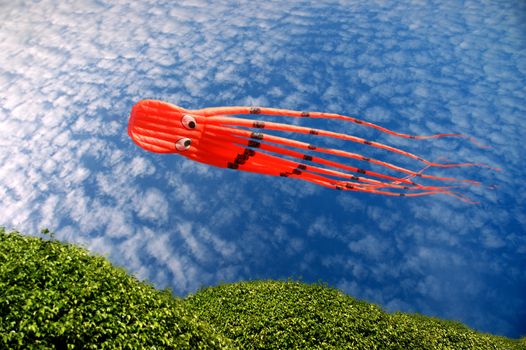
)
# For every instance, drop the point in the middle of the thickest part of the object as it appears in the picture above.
(293, 315)
(54, 295)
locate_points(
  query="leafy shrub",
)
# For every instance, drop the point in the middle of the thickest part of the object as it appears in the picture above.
(293, 315)
(54, 295)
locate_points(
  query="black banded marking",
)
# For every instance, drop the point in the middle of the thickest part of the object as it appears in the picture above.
(365, 142)
(307, 157)
(255, 110)
(349, 186)
(254, 144)
(338, 187)
(305, 114)
(258, 124)
(241, 158)
(357, 121)
(256, 136)
(412, 137)
(366, 159)
(311, 147)
(296, 171)
(361, 171)
(314, 132)
(402, 194)
(355, 178)
(232, 165)
(302, 166)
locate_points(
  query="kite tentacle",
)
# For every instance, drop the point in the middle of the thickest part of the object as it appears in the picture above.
(221, 120)
(216, 111)
(309, 147)
(245, 157)
(290, 171)
(294, 165)
(295, 154)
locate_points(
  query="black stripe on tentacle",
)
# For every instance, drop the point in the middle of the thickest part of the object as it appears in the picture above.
(256, 135)
(241, 158)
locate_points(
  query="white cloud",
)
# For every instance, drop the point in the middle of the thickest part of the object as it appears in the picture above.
(369, 246)
(322, 226)
(152, 205)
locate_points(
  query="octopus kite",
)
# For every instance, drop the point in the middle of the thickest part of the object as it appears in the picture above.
(212, 136)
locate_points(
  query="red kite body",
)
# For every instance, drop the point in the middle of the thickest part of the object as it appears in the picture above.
(212, 136)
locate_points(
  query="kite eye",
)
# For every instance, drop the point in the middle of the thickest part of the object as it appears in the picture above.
(189, 122)
(183, 144)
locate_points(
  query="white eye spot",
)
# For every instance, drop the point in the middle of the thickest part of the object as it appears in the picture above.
(189, 121)
(183, 144)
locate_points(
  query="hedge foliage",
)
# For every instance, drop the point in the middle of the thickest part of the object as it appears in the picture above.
(293, 315)
(54, 295)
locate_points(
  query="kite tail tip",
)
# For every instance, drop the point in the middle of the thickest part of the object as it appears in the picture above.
(471, 182)
(482, 165)
(463, 198)
(477, 142)
(470, 138)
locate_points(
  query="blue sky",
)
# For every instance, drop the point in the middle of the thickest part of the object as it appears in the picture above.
(70, 73)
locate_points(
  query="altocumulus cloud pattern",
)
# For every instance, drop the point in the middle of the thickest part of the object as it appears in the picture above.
(69, 74)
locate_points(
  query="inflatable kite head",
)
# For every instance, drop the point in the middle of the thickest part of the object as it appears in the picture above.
(162, 127)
